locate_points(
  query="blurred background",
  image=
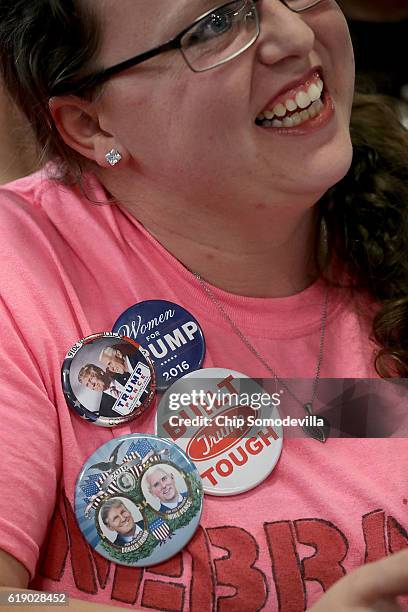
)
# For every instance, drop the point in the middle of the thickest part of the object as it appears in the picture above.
(17, 151)
(379, 29)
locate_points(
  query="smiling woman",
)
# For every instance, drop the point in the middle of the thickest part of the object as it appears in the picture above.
(202, 155)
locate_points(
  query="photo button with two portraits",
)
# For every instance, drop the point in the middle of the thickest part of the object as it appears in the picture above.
(108, 380)
(138, 500)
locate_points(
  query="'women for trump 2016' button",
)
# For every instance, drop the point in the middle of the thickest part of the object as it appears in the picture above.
(170, 333)
(138, 500)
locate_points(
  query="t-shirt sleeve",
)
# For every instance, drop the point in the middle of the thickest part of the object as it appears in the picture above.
(30, 449)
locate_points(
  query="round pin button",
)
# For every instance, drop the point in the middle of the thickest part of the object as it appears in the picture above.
(138, 500)
(226, 424)
(108, 380)
(170, 333)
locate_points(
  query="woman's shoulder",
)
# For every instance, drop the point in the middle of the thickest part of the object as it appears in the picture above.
(30, 205)
(41, 194)
(39, 214)
(45, 227)
(28, 227)
(25, 190)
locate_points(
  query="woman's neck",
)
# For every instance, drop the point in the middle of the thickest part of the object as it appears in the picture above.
(256, 268)
(259, 251)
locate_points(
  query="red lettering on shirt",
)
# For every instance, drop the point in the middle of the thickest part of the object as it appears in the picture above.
(202, 588)
(167, 596)
(397, 536)
(81, 558)
(102, 568)
(56, 548)
(373, 525)
(331, 547)
(126, 583)
(237, 569)
(172, 568)
(286, 567)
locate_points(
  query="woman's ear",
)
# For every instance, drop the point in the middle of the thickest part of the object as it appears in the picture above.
(77, 121)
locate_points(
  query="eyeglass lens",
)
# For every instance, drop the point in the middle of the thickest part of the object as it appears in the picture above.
(226, 32)
(221, 35)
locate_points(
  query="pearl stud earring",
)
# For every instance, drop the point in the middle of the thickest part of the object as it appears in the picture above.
(113, 157)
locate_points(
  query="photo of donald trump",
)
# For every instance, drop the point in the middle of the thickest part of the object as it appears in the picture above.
(117, 517)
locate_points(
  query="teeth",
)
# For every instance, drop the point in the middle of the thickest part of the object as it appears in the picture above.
(314, 92)
(279, 110)
(308, 101)
(318, 105)
(296, 118)
(288, 122)
(291, 105)
(302, 99)
(315, 109)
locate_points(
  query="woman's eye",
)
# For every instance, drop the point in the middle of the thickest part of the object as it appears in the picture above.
(219, 22)
(214, 25)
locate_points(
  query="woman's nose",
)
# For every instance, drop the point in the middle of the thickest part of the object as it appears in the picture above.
(284, 33)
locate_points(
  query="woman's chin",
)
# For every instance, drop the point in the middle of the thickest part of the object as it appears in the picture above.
(326, 170)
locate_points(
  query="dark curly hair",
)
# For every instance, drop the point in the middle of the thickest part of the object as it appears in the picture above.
(44, 43)
(367, 219)
(50, 43)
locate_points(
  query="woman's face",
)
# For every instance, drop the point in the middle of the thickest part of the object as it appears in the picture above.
(195, 135)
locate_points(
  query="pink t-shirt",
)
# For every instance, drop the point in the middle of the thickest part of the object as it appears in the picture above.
(70, 268)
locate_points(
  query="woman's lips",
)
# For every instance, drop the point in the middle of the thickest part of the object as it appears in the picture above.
(309, 121)
(299, 96)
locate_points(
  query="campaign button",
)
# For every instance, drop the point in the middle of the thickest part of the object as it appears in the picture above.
(108, 380)
(138, 500)
(226, 424)
(170, 333)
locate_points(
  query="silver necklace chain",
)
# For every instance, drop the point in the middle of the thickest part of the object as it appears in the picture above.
(308, 406)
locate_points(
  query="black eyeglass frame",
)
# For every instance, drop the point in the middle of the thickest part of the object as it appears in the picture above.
(101, 76)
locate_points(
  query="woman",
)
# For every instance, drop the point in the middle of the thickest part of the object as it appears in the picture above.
(199, 186)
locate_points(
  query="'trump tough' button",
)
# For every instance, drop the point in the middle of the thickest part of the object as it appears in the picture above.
(213, 416)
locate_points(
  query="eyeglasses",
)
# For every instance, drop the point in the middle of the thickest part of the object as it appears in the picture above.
(213, 39)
